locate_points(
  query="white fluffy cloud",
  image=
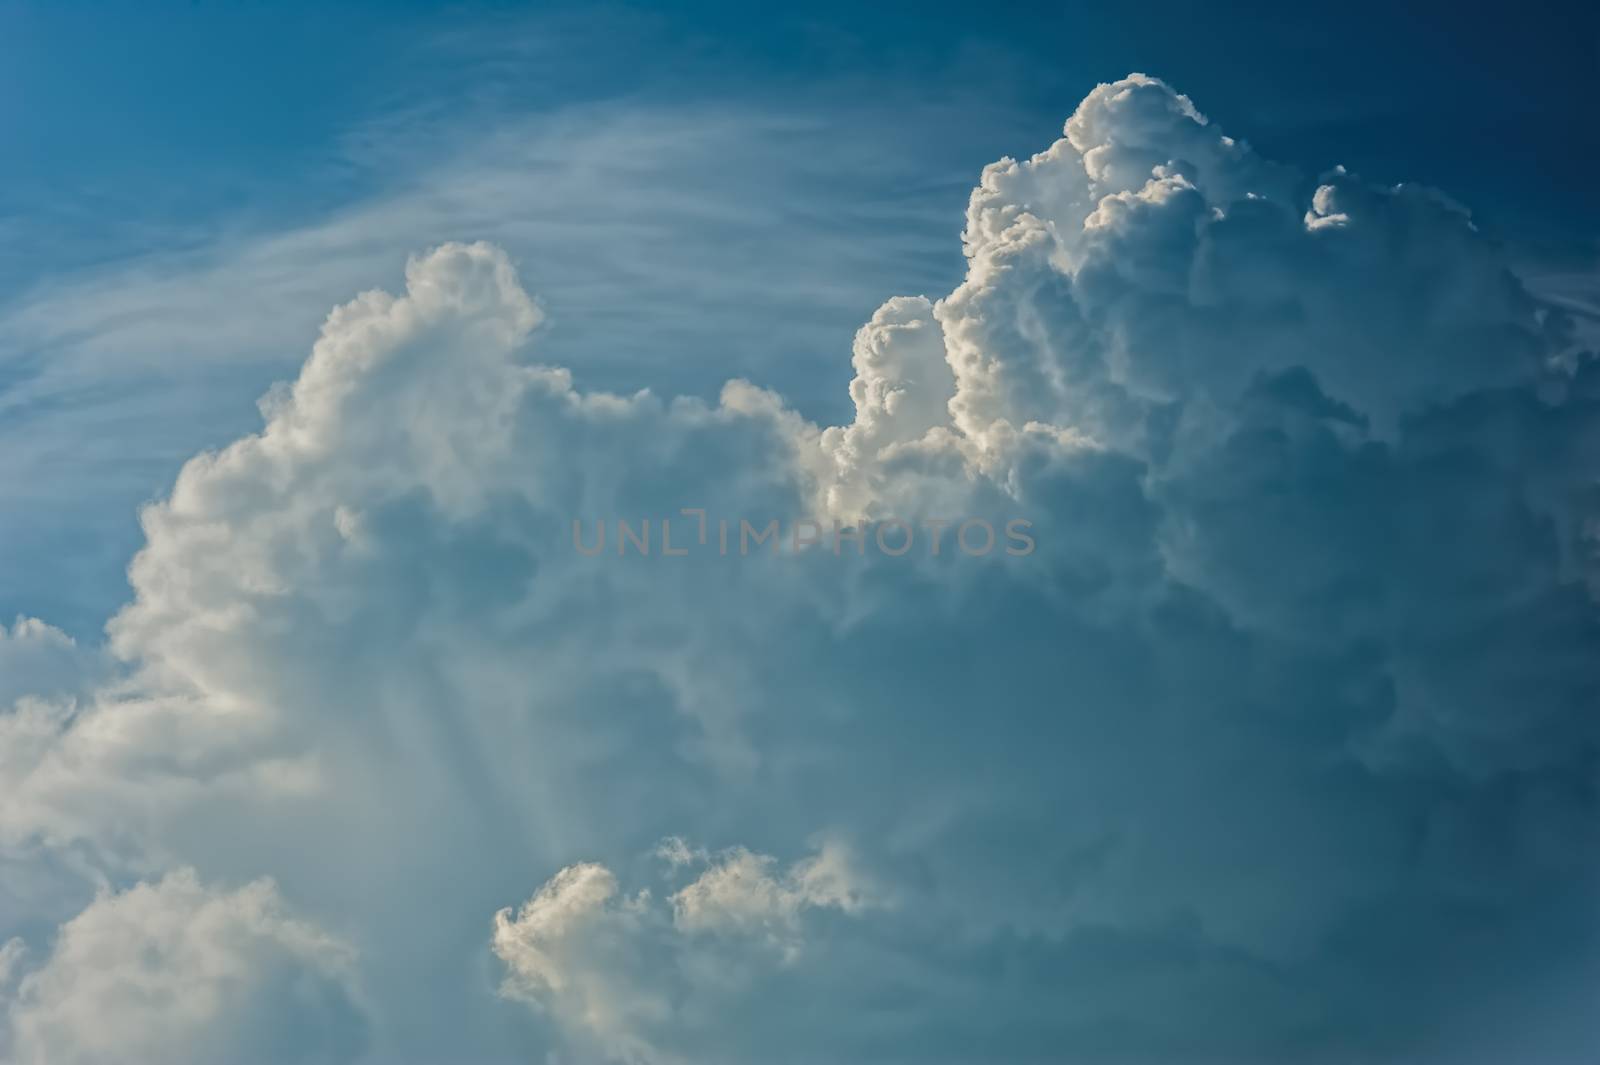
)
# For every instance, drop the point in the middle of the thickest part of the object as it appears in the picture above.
(37, 659)
(569, 950)
(641, 979)
(1287, 719)
(177, 972)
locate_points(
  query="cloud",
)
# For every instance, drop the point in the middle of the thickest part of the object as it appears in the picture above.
(11, 954)
(626, 972)
(659, 217)
(741, 893)
(176, 972)
(1277, 748)
(39, 659)
(569, 950)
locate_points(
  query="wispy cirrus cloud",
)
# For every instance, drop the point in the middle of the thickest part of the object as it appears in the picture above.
(715, 240)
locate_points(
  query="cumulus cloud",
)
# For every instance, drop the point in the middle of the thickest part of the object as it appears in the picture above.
(40, 660)
(743, 893)
(1279, 747)
(636, 977)
(11, 955)
(569, 949)
(177, 972)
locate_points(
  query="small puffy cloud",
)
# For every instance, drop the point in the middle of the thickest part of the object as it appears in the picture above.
(529, 940)
(745, 893)
(11, 955)
(573, 951)
(176, 972)
(636, 977)
(676, 852)
(40, 660)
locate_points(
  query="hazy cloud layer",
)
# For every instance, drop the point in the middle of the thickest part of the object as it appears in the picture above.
(1278, 747)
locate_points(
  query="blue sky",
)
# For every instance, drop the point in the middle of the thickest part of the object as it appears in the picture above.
(321, 324)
